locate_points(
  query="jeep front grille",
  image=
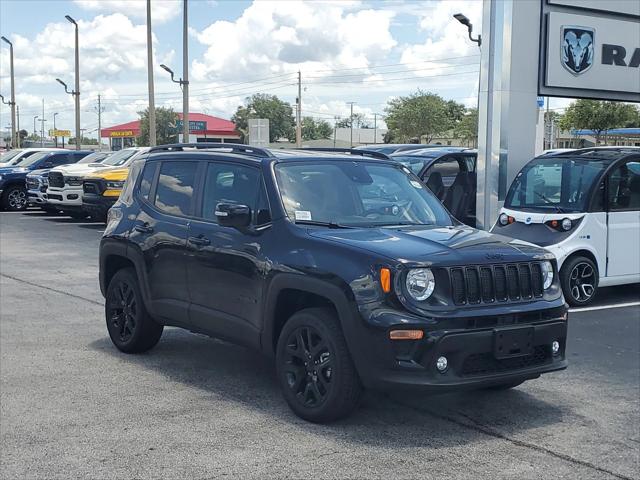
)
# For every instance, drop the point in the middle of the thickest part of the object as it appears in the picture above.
(495, 283)
(56, 180)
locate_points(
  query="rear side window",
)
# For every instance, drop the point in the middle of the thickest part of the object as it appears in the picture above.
(146, 180)
(174, 193)
(624, 187)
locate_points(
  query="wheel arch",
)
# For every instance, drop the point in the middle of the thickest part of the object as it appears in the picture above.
(288, 294)
(583, 252)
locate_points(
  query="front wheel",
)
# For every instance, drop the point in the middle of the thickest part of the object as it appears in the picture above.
(130, 326)
(579, 279)
(314, 367)
(14, 198)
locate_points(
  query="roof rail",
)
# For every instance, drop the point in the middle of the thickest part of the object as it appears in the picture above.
(350, 151)
(233, 147)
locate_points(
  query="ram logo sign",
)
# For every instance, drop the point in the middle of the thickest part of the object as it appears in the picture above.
(577, 48)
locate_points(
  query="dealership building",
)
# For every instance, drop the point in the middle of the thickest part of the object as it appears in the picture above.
(202, 128)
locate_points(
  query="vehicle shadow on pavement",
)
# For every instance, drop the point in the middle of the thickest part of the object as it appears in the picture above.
(404, 420)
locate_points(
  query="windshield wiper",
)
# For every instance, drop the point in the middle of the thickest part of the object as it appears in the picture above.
(401, 224)
(321, 224)
(549, 202)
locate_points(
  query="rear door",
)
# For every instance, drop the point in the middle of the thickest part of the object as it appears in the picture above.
(166, 196)
(623, 231)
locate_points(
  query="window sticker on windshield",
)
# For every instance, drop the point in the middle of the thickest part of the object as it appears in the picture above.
(303, 215)
(416, 184)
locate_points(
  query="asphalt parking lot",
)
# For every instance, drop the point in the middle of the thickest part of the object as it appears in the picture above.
(72, 406)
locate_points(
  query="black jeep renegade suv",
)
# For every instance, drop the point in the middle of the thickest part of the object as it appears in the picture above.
(344, 267)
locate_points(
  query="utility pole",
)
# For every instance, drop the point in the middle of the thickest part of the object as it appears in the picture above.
(14, 141)
(299, 112)
(335, 129)
(375, 128)
(35, 131)
(185, 74)
(152, 103)
(18, 142)
(351, 121)
(77, 89)
(100, 110)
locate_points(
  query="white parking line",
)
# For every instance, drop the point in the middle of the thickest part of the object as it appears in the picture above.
(604, 307)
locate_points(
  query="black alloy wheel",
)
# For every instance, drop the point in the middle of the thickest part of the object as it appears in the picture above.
(579, 277)
(314, 367)
(130, 326)
(15, 198)
(308, 366)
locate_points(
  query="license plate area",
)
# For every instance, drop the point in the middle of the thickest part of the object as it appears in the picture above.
(512, 342)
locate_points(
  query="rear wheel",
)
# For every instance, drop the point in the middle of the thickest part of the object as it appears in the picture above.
(130, 326)
(14, 198)
(579, 279)
(314, 367)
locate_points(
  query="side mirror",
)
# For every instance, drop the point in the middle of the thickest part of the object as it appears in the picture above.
(233, 215)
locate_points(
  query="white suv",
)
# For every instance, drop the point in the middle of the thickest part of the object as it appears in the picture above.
(65, 183)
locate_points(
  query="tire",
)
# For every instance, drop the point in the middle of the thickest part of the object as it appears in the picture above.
(14, 198)
(579, 279)
(123, 307)
(506, 386)
(327, 389)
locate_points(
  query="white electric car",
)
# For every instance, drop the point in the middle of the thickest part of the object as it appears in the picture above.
(584, 206)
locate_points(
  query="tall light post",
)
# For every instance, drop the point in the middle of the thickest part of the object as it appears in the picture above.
(12, 103)
(77, 96)
(55, 133)
(152, 103)
(185, 73)
(35, 132)
(76, 93)
(185, 112)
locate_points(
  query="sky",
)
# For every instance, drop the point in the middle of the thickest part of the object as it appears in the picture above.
(365, 52)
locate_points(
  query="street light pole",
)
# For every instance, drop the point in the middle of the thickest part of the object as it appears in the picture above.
(35, 132)
(478, 41)
(185, 74)
(55, 133)
(77, 89)
(152, 103)
(351, 122)
(12, 103)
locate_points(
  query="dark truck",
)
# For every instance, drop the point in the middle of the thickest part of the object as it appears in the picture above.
(344, 268)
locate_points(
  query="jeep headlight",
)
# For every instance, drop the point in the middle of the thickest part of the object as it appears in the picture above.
(420, 283)
(547, 274)
(115, 185)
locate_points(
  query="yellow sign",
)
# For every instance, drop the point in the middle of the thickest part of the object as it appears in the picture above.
(121, 133)
(59, 133)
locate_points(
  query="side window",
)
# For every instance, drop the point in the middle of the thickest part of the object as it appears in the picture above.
(229, 183)
(624, 187)
(174, 193)
(59, 159)
(448, 169)
(146, 179)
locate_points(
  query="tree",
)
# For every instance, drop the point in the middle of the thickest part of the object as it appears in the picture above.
(260, 105)
(85, 141)
(598, 116)
(23, 134)
(421, 114)
(166, 131)
(315, 129)
(359, 121)
(467, 127)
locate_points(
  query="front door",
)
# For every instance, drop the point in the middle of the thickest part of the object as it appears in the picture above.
(226, 266)
(624, 220)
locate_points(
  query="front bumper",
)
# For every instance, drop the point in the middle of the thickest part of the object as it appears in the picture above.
(469, 347)
(97, 205)
(36, 198)
(65, 197)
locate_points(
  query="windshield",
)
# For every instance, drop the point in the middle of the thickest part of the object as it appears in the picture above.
(119, 158)
(97, 157)
(562, 185)
(7, 158)
(356, 194)
(26, 162)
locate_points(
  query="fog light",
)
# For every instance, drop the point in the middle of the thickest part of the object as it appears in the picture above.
(555, 347)
(442, 364)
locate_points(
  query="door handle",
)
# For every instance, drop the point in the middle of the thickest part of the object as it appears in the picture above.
(199, 240)
(143, 228)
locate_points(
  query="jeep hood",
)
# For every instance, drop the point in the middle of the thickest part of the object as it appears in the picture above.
(437, 245)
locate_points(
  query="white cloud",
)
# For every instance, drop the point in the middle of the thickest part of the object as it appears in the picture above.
(273, 37)
(161, 10)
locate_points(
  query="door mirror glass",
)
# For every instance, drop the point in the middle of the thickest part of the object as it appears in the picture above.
(233, 215)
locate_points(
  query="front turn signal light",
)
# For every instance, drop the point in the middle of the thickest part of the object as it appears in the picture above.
(385, 279)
